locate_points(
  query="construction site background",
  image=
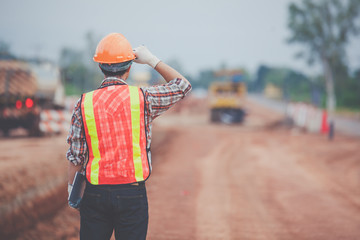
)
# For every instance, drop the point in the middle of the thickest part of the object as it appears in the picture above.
(262, 156)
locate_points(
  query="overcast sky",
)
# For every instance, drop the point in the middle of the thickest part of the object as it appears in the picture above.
(200, 34)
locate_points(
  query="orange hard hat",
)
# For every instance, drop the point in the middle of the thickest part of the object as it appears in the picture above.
(114, 48)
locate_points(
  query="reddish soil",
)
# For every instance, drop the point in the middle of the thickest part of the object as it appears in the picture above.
(32, 181)
(259, 180)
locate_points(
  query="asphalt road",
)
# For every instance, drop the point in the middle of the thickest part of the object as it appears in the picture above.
(342, 124)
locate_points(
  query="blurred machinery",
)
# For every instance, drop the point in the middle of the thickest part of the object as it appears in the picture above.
(227, 98)
(27, 88)
(272, 91)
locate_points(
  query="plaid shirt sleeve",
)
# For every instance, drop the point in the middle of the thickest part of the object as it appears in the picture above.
(161, 97)
(76, 138)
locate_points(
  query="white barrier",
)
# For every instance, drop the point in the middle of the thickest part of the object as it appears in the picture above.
(306, 116)
(55, 121)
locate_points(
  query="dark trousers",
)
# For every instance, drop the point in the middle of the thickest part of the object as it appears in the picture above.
(123, 208)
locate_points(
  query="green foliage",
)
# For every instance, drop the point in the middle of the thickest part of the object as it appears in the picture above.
(75, 75)
(276, 76)
(294, 85)
(80, 73)
(72, 90)
(4, 47)
(323, 27)
(348, 92)
(204, 79)
(297, 86)
(258, 84)
(246, 77)
(5, 52)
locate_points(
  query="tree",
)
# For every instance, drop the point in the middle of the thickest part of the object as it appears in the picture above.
(204, 79)
(4, 47)
(79, 71)
(259, 83)
(324, 27)
(5, 52)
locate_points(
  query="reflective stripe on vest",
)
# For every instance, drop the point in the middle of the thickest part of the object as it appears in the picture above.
(130, 163)
(92, 132)
(135, 123)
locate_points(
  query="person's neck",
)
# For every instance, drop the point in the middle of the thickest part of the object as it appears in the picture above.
(118, 77)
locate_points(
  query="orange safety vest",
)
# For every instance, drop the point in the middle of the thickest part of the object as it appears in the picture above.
(115, 130)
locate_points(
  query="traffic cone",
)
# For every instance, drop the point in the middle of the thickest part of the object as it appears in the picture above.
(324, 123)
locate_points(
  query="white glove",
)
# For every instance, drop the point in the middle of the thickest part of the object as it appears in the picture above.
(144, 56)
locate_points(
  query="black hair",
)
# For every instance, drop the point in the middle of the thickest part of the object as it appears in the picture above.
(112, 74)
(116, 69)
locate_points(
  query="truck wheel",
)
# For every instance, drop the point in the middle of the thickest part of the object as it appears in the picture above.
(34, 129)
(34, 132)
(240, 115)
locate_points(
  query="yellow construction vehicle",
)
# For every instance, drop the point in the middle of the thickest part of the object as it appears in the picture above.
(227, 99)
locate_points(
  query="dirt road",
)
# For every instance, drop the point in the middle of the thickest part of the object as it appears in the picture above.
(255, 181)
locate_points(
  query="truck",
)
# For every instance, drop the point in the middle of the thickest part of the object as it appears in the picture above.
(227, 98)
(27, 88)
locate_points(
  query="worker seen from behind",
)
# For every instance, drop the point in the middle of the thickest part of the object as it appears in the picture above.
(111, 133)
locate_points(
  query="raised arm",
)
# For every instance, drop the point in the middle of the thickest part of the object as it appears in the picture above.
(144, 56)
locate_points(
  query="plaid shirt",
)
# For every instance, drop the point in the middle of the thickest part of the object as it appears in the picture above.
(158, 99)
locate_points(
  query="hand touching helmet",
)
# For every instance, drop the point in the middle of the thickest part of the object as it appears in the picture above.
(144, 56)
